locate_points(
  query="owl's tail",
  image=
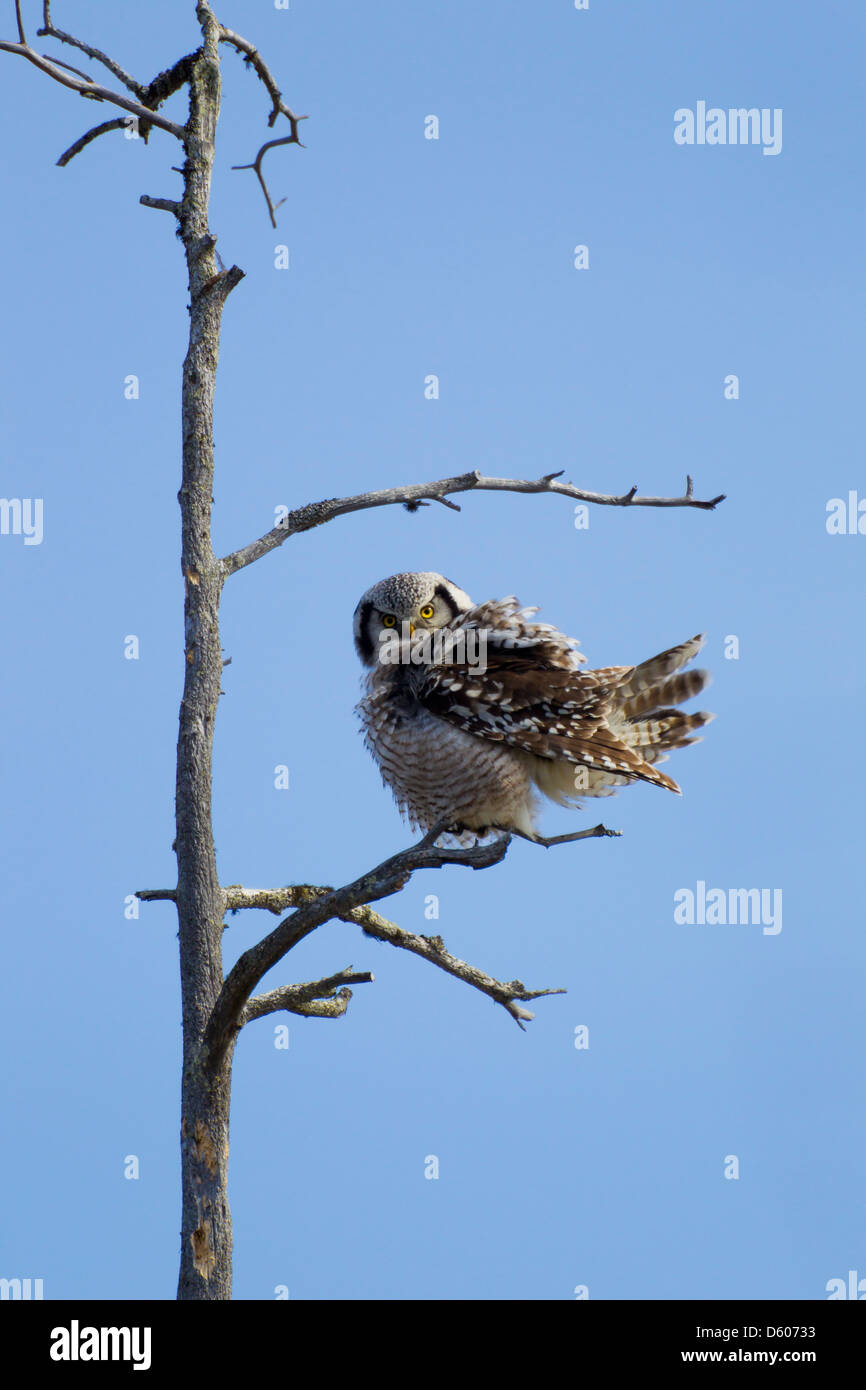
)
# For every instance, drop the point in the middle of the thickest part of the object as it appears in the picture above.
(642, 714)
(639, 726)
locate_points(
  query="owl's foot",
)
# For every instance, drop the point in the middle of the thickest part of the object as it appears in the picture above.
(469, 837)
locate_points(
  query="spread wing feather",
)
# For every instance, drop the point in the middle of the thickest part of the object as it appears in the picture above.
(616, 721)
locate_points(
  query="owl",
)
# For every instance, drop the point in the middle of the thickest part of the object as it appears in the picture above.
(472, 710)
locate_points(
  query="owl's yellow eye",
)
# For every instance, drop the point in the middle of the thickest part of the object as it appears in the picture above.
(426, 612)
(389, 620)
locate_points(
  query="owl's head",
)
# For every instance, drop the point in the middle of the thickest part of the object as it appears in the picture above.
(424, 601)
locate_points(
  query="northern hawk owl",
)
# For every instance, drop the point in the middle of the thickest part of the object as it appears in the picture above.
(469, 708)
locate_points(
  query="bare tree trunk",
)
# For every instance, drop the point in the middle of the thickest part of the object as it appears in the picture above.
(206, 1231)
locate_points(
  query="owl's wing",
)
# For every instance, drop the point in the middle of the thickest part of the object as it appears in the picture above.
(528, 692)
(510, 635)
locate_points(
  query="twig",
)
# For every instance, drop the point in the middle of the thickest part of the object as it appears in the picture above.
(263, 72)
(257, 166)
(255, 60)
(118, 123)
(317, 513)
(321, 999)
(85, 76)
(547, 841)
(432, 948)
(157, 895)
(48, 31)
(163, 204)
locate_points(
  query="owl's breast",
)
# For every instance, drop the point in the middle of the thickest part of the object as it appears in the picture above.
(435, 770)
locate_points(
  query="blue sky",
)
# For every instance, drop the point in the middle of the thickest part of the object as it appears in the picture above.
(559, 1168)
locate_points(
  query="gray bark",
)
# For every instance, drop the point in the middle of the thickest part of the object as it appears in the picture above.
(206, 1228)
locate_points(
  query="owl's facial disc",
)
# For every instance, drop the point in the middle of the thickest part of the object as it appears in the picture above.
(423, 601)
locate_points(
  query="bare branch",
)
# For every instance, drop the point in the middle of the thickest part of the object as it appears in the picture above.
(118, 123)
(255, 60)
(257, 166)
(48, 31)
(69, 68)
(317, 513)
(314, 1008)
(432, 948)
(321, 999)
(166, 83)
(92, 90)
(223, 283)
(595, 833)
(274, 900)
(162, 87)
(322, 906)
(315, 906)
(163, 204)
(157, 895)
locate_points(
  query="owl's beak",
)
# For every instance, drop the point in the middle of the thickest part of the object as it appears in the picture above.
(411, 629)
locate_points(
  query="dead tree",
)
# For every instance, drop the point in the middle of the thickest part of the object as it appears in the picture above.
(216, 1006)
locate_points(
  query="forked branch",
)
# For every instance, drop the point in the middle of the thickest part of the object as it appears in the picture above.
(315, 905)
(85, 86)
(432, 948)
(49, 31)
(320, 999)
(257, 166)
(254, 59)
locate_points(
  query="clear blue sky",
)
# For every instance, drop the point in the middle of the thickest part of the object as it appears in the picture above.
(558, 1167)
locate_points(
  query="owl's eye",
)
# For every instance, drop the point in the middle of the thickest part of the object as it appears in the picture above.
(389, 620)
(426, 612)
